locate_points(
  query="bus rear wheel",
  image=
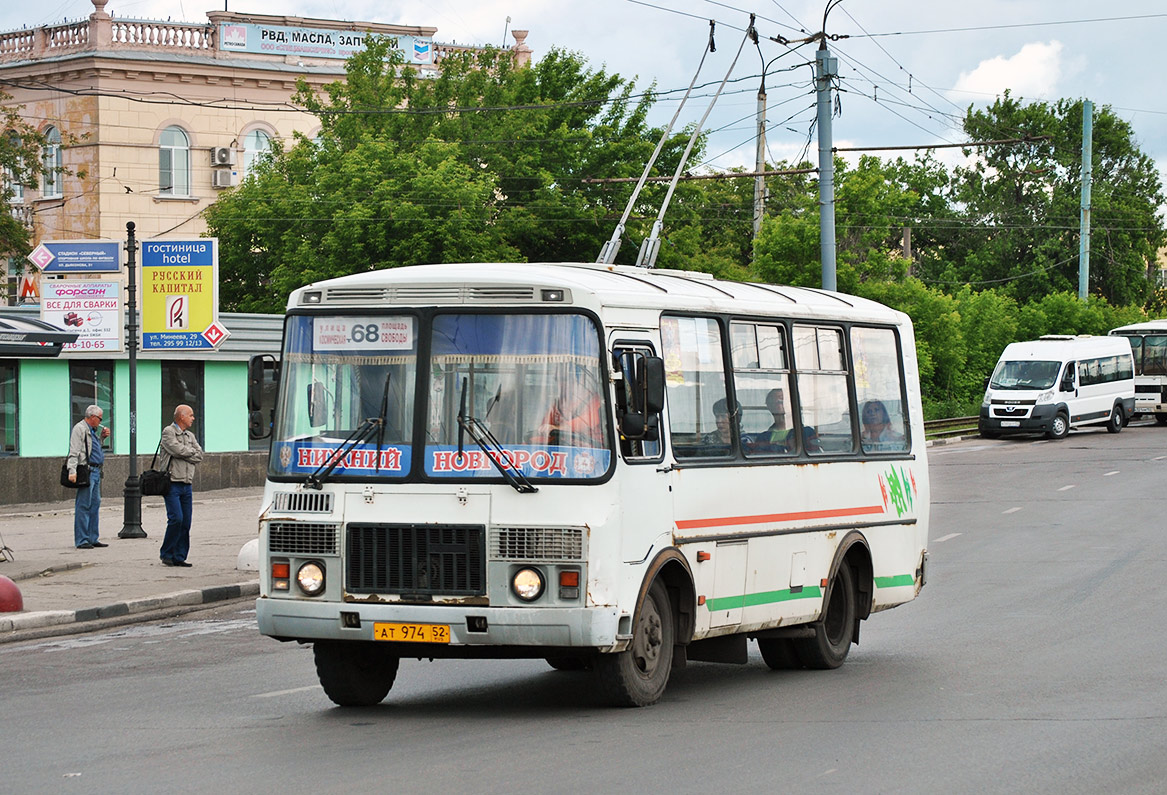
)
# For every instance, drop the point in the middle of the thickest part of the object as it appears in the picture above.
(637, 676)
(1116, 421)
(833, 632)
(354, 673)
(569, 662)
(1161, 419)
(779, 653)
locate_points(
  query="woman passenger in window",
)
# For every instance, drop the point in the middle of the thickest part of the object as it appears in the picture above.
(877, 432)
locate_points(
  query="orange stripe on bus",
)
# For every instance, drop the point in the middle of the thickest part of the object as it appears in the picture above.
(725, 521)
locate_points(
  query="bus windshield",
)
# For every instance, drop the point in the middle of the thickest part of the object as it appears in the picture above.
(1025, 375)
(532, 383)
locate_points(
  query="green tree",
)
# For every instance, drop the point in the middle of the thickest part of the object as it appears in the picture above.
(1022, 203)
(20, 164)
(484, 162)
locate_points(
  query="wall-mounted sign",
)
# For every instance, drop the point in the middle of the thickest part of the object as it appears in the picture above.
(312, 42)
(180, 294)
(92, 309)
(78, 256)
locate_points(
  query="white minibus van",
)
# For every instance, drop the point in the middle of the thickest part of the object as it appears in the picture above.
(1059, 382)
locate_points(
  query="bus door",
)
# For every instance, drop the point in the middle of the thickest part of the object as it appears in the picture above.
(645, 515)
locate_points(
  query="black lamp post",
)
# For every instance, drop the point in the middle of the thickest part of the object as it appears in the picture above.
(132, 522)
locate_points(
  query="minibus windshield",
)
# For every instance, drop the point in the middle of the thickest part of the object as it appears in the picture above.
(1028, 374)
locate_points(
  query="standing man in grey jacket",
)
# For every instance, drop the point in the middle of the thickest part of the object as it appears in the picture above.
(85, 448)
(180, 453)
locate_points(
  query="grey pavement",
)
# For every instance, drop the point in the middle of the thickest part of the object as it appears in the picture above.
(66, 590)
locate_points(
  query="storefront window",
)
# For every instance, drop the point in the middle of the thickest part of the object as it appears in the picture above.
(7, 406)
(182, 383)
(91, 384)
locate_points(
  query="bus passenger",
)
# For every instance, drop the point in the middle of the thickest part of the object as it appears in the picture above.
(778, 438)
(877, 432)
(575, 418)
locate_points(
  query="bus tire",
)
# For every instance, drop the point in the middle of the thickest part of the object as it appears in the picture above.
(779, 653)
(1059, 427)
(354, 673)
(833, 632)
(569, 662)
(1161, 419)
(637, 676)
(1116, 421)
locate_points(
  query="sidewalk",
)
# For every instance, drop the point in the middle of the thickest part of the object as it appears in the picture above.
(69, 590)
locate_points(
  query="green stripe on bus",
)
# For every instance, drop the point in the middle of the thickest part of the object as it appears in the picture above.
(895, 582)
(764, 598)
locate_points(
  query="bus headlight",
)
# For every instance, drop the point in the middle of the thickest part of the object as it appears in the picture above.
(310, 578)
(527, 584)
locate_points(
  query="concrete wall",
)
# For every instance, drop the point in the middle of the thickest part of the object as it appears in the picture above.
(38, 479)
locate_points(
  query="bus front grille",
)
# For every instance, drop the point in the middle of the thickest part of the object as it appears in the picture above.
(302, 538)
(416, 559)
(538, 543)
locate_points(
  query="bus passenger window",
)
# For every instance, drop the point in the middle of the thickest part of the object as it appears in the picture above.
(882, 424)
(761, 381)
(695, 382)
(824, 402)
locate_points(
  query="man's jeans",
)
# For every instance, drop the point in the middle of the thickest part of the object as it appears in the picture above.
(85, 508)
(176, 544)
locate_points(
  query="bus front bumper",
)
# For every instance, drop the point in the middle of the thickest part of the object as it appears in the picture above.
(1037, 422)
(482, 628)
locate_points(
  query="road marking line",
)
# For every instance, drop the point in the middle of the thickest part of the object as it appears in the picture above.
(275, 693)
(1108, 474)
(1159, 457)
(1011, 510)
(945, 538)
(1066, 488)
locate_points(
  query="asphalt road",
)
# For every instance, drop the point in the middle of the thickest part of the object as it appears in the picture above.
(1033, 661)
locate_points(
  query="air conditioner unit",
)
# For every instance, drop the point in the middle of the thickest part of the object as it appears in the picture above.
(222, 178)
(222, 156)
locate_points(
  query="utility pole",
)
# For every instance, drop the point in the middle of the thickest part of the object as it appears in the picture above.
(1087, 176)
(760, 162)
(826, 67)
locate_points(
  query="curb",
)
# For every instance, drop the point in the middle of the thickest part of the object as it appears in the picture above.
(19, 626)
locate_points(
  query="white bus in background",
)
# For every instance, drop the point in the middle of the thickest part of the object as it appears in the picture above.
(610, 468)
(1149, 346)
(1059, 382)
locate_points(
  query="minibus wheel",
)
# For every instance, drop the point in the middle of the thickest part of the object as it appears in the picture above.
(354, 673)
(1116, 421)
(1161, 419)
(833, 632)
(636, 677)
(1059, 427)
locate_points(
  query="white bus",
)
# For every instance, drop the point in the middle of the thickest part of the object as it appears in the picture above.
(1149, 346)
(610, 468)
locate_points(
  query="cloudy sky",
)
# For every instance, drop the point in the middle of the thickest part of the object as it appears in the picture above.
(908, 69)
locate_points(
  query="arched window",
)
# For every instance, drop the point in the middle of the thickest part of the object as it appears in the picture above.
(53, 165)
(255, 145)
(174, 162)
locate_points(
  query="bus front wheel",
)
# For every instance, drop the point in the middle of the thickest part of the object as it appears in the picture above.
(636, 677)
(354, 673)
(834, 632)
(1059, 427)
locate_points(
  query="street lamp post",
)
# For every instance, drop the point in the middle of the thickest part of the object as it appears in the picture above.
(132, 521)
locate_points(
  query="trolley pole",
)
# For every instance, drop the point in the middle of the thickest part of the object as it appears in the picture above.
(132, 521)
(1087, 176)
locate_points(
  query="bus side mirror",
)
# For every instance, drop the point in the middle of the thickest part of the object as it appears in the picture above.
(257, 369)
(988, 378)
(317, 404)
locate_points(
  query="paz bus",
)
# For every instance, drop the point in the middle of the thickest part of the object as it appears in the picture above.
(614, 469)
(1149, 346)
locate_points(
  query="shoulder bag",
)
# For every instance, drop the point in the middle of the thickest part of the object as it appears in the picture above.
(82, 470)
(153, 482)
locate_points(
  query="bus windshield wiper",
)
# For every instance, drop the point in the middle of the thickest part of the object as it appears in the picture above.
(360, 434)
(492, 447)
(381, 428)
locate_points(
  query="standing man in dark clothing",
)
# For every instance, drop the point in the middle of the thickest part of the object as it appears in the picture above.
(180, 453)
(85, 448)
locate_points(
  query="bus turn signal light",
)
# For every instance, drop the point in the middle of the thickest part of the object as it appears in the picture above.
(703, 556)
